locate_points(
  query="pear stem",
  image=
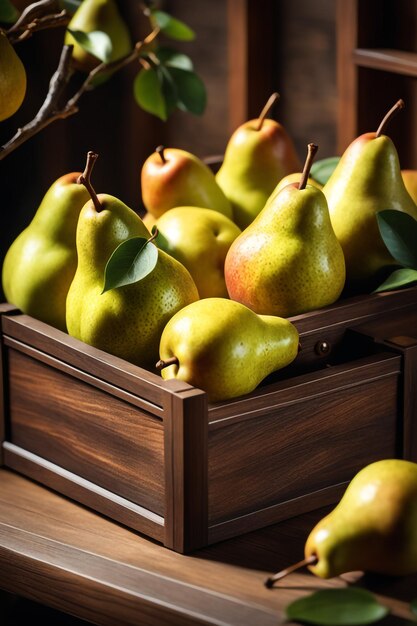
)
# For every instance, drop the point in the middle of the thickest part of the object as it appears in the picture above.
(311, 153)
(268, 106)
(173, 360)
(160, 151)
(84, 179)
(311, 560)
(398, 106)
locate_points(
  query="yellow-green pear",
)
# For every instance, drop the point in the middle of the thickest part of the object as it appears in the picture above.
(41, 262)
(224, 348)
(259, 153)
(374, 526)
(199, 239)
(12, 79)
(366, 180)
(98, 15)
(125, 321)
(171, 177)
(288, 261)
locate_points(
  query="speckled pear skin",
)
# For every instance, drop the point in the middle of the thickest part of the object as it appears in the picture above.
(182, 179)
(224, 348)
(128, 321)
(288, 261)
(374, 526)
(199, 239)
(366, 180)
(254, 162)
(40, 264)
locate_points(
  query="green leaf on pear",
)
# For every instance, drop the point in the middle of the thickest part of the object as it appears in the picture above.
(191, 91)
(96, 43)
(129, 263)
(399, 278)
(172, 27)
(413, 607)
(322, 169)
(147, 89)
(399, 233)
(8, 12)
(173, 58)
(337, 607)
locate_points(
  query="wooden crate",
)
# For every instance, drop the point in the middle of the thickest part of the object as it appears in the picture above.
(155, 456)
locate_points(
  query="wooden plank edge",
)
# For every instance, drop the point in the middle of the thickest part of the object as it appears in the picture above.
(388, 364)
(83, 491)
(113, 591)
(275, 513)
(85, 357)
(153, 409)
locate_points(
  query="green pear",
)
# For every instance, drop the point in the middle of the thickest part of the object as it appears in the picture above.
(41, 262)
(366, 180)
(171, 177)
(374, 526)
(125, 321)
(258, 155)
(224, 348)
(288, 261)
(98, 15)
(199, 239)
(12, 79)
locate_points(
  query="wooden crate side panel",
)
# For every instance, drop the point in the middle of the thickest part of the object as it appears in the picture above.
(302, 448)
(86, 431)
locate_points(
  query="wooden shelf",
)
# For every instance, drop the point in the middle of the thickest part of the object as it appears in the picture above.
(374, 72)
(396, 61)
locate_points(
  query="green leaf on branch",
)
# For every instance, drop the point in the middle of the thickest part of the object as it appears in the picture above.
(337, 607)
(96, 43)
(399, 232)
(8, 12)
(413, 607)
(130, 262)
(147, 89)
(399, 278)
(322, 170)
(171, 27)
(172, 58)
(191, 91)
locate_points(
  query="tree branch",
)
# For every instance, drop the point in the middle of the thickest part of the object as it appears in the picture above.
(51, 110)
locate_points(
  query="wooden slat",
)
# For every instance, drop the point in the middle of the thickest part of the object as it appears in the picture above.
(347, 79)
(276, 513)
(84, 357)
(293, 391)
(84, 491)
(395, 61)
(186, 461)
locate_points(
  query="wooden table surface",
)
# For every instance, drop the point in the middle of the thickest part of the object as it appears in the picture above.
(67, 557)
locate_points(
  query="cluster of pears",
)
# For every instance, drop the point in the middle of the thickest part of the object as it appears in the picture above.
(239, 253)
(372, 529)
